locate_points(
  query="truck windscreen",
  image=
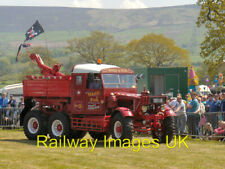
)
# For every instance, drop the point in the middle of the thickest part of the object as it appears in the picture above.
(119, 81)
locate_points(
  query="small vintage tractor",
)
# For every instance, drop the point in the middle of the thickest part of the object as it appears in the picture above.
(96, 98)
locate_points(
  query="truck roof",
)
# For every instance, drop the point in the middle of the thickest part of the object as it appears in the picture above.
(91, 68)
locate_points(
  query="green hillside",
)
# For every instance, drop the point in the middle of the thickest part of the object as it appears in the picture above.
(62, 24)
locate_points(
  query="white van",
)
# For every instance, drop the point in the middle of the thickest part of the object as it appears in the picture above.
(15, 89)
(202, 90)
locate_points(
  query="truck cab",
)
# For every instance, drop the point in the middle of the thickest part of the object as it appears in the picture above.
(93, 83)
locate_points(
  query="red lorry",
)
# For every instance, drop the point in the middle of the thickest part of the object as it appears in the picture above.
(96, 98)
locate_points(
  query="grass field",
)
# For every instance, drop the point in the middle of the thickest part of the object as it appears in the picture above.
(18, 152)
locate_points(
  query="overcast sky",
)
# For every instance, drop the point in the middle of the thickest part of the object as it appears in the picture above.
(128, 4)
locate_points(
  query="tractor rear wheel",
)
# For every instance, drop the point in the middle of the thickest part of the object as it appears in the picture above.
(121, 128)
(59, 126)
(34, 124)
(166, 133)
(98, 135)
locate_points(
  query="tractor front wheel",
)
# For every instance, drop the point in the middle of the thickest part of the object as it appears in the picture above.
(122, 127)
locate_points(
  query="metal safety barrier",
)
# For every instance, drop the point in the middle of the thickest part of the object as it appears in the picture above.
(203, 126)
(9, 117)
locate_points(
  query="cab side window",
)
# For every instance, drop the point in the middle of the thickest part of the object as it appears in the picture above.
(94, 81)
(79, 80)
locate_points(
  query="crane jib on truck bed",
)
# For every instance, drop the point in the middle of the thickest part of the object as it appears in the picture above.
(96, 98)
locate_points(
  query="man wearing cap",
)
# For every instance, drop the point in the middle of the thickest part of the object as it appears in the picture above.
(11, 104)
(209, 103)
(193, 117)
(12, 101)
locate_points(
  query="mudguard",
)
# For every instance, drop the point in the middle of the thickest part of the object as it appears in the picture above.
(125, 112)
(169, 112)
(29, 103)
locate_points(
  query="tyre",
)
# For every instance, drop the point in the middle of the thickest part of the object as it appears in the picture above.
(76, 134)
(121, 128)
(168, 129)
(98, 135)
(59, 126)
(35, 123)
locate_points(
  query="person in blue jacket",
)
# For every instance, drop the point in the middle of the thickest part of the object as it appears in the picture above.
(193, 117)
(3, 101)
(214, 108)
(3, 104)
(222, 115)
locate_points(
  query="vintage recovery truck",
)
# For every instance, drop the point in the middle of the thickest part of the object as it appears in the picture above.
(96, 98)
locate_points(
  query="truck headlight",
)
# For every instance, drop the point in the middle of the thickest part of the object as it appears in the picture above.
(144, 109)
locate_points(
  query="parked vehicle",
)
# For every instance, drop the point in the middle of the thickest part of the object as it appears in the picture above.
(14, 89)
(202, 90)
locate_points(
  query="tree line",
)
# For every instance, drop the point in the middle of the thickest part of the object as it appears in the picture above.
(151, 50)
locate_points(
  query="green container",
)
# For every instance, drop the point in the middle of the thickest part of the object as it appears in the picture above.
(163, 80)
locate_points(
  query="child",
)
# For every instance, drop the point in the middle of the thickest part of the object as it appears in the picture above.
(220, 131)
(207, 129)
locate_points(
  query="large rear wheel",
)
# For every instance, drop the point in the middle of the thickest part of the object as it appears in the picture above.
(166, 131)
(35, 124)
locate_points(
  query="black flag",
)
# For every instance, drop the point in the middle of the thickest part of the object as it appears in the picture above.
(35, 30)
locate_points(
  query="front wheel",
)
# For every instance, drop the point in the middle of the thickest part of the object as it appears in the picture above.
(121, 127)
(166, 132)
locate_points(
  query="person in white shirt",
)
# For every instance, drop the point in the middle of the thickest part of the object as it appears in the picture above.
(181, 117)
(172, 102)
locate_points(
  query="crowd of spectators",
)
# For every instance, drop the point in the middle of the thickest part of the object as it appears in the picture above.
(196, 115)
(9, 109)
(199, 115)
